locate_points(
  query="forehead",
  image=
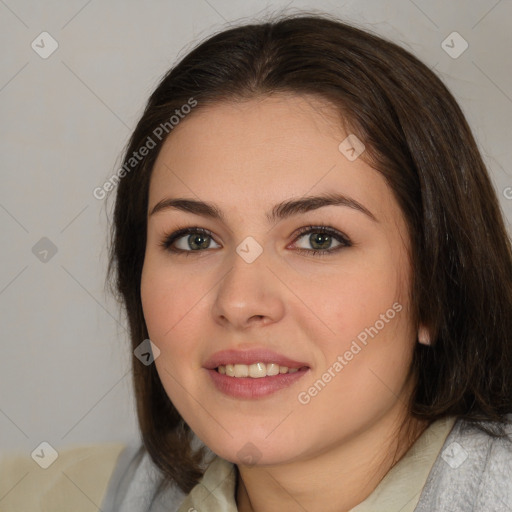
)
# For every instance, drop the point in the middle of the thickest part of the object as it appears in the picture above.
(268, 129)
(262, 151)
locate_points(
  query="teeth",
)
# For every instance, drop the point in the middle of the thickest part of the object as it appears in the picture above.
(241, 370)
(273, 369)
(255, 371)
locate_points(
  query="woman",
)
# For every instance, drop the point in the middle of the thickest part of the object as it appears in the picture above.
(317, 255)
(306, 232)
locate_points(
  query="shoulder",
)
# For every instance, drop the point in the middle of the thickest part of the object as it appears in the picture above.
(473, 471)
(137, 484)
(77, 477)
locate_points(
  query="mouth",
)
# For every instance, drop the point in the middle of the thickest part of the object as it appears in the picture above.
(253, 373)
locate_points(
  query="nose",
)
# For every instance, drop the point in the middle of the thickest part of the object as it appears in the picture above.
(248, 295)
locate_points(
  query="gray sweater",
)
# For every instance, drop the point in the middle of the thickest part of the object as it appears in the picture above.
(473, 472)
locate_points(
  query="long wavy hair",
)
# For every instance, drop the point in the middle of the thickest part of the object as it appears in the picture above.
(417, 137)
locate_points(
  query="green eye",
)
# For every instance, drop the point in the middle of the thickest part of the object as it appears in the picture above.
(321, 238)
(195, 240)
(188, 240)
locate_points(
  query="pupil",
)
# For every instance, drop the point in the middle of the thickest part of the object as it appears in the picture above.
(320, 238)
(198, 242)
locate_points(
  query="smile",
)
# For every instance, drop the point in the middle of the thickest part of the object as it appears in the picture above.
(254, 371)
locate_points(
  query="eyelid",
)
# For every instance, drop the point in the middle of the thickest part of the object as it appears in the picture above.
(320, 228)
(339, 236)
(180, 232)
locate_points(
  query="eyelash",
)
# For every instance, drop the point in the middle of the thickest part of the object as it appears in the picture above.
(168, 240)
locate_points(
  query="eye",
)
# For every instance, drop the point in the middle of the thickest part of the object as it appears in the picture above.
(188, 240)
(321, 239)
(195, 240)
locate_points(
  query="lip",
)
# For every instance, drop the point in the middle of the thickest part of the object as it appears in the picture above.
(260, 355)
(247, 387)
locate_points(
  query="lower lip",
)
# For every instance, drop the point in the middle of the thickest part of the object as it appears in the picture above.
(247, 387)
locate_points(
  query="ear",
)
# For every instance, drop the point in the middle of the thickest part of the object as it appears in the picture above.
(424, 335)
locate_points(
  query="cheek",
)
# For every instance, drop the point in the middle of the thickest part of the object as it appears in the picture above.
(169, 314)
(168, 304)
(165, 296)
(368, 315)
(158, 302)
(353, 297)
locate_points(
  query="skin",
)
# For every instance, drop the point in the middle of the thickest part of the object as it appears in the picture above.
(245, 157)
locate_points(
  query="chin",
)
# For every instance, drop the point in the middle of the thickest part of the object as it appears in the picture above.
(250, 450)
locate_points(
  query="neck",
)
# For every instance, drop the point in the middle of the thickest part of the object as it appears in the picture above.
(334, 481)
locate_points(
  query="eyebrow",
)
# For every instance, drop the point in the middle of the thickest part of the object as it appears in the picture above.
(279, 211)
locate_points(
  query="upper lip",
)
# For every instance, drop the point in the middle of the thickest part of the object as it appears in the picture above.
(259, 355)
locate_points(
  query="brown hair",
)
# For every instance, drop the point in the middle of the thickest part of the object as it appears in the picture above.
(417, 137)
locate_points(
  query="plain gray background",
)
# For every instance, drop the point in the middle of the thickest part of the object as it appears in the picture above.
(65, 365)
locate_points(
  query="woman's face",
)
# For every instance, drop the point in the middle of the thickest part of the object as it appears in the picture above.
(250, 289)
